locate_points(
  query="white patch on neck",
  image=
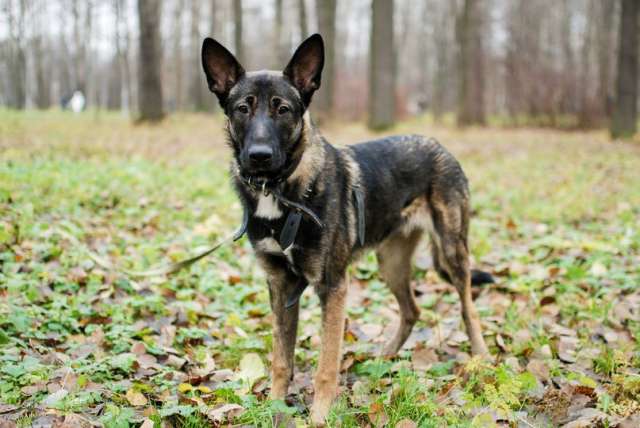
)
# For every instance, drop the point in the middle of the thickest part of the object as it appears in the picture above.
(268, 207)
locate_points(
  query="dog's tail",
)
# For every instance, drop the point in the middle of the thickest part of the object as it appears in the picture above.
(479, 277)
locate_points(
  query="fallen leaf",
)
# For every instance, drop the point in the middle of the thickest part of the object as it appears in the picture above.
(225, 412)
(136, 398)
(567, 349)
(406, 423)
(184, 388)
(377, 416)
(539, 369)
(423, 359)
(147, 423)
(54, 398)
(251, 369)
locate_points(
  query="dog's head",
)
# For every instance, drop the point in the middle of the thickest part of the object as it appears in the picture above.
(265, 108)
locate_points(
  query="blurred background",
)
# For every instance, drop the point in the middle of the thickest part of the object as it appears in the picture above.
(556, 63)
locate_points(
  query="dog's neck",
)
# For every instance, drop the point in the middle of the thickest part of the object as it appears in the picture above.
(311, 152)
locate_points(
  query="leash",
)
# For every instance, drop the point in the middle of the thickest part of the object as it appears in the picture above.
(160, 270)
(287, 238)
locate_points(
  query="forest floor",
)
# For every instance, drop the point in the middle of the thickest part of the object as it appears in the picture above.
(555, 219)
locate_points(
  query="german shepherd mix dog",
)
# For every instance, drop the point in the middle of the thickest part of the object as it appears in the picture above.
(311, 208)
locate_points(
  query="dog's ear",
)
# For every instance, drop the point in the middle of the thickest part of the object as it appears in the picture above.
(221, 67)
(305, 67)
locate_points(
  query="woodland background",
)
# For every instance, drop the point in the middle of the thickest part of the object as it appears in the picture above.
(566, 63)
(527, 94)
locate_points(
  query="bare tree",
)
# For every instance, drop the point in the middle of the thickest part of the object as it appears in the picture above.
(605, 53)
(326, 11)
(470, 64)
(237, 31)
(177, 70)
(150, 83)
(122, 52)
(625, 110)
(213, 18)
(16, 57)
(196, 83)
(442, 78)
(302, 19)
(382, 64)
(40, 57)
(280, 49)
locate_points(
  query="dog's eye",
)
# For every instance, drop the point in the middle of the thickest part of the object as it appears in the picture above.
(243, 108)
(283, 110)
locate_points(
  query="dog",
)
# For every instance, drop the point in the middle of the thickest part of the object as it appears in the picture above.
(312, 208)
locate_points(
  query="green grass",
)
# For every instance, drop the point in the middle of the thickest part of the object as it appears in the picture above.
(556, 219)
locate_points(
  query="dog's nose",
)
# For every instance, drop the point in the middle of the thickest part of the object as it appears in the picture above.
(260, 153)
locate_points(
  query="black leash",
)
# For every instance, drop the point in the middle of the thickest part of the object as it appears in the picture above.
(287, 238)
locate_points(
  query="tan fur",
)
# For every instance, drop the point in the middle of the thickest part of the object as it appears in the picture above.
(326, 378)
(416, 217)
(284, 324)
(312, 156)
(394, 257)
(450, 254)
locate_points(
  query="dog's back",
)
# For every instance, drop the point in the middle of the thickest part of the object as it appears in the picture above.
(400, 171)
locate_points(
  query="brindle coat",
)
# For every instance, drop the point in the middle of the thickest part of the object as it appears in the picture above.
(410, 185)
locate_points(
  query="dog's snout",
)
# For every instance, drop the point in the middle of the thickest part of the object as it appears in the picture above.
(260, 153)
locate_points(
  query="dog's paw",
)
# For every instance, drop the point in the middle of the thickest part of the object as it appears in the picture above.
(319, 413)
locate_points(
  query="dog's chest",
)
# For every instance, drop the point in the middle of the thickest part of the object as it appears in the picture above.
(274, 222)
(267, 208)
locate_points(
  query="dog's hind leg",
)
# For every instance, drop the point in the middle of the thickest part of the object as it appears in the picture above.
(394, 258)
(451, 260)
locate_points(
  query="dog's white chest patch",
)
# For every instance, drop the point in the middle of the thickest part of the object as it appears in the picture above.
(268, 208)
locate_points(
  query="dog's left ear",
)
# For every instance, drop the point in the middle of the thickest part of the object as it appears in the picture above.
(305, 67)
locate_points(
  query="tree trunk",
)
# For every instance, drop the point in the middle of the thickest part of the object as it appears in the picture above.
(178, 94)
(441, 45)
(302, 19)
(471, 65)
(122, 52)
(196, 81)
(17, 62)
(605, 57)
(625, 109)
(586, 114)
(382, 64)
(237, 31)
(280, 46)
(213, 18)
(43, 98)
(150, 83)
(326, 11)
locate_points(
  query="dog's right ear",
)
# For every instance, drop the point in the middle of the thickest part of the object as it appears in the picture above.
(221, 67)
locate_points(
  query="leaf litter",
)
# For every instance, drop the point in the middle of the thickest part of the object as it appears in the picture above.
(81, 346)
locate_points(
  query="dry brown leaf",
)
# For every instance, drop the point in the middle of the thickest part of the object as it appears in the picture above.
(147, 423)
(567, 349)
(225, 412)
(423, 359)
(539, 369)
(138, 348)
(406, 423)
(136, 398)
(377, 415)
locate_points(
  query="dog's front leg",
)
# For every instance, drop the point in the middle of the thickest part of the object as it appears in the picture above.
(326, 379)
(285, 325)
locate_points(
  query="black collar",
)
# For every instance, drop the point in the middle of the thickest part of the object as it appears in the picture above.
(292, 223)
